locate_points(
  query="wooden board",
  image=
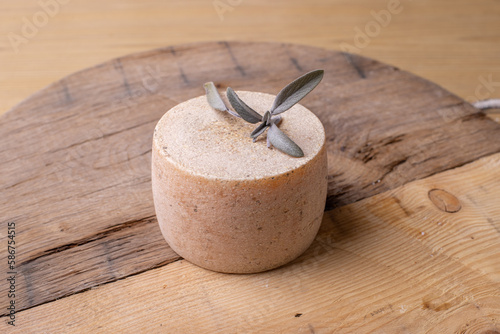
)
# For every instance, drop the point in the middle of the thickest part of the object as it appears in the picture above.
(75, 157)
(392, 263)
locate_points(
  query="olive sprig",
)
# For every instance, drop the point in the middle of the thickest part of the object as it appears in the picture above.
(286, 98)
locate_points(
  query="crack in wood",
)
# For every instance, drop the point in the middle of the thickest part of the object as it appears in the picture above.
(423, 161)
(119, 67)
(233, 57)
(106, 135)
(295, 63)
(126, 160)
(181, 70)
(148, 179)
(94, 237)
(453, 105)
(68, 99)
(393, 140)
(350, 60)
(183, 76)
(21, 182)
(159, 265)
(475, 116)
(370, 151)
(333, 176)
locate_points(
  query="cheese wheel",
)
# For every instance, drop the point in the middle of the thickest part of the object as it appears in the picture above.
(231, 205)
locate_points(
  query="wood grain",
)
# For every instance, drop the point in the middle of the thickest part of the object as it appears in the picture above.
(75, 162)
(453, 43)
(392, 263)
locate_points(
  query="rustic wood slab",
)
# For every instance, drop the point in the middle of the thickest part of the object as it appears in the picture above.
(392, 263)
(75, 157)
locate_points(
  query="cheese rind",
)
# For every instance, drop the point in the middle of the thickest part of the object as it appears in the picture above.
(231, 205)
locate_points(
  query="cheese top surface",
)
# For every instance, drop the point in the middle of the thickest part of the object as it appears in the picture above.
(204, 141)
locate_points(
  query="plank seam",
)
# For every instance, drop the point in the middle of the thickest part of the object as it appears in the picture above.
(159, 265)
(99, 235)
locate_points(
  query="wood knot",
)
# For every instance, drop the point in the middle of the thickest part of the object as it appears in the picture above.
(444, 201)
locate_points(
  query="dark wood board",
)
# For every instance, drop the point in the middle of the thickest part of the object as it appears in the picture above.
(75, 157)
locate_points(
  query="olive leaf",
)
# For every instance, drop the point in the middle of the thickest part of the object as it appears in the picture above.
(282, 142)
(286, 98)
(245, 112)
(266, 118)
(214, 99)
(296, 91)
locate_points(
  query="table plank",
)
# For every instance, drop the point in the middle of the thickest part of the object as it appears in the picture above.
(75, 161)
(392, 263)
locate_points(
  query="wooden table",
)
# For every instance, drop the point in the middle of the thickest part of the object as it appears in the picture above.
(414, 252)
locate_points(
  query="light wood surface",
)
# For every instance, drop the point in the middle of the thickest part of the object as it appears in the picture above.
(83, 204)
(450, 42)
